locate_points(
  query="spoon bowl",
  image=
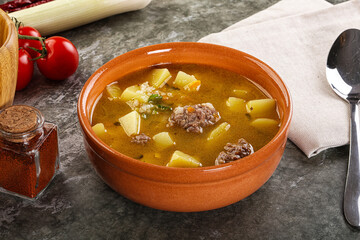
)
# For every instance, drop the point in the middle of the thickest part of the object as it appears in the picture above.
(343, 75)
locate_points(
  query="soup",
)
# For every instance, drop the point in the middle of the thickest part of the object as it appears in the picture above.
(185, 115)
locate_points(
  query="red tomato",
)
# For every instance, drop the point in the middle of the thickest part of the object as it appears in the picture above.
(61, 61)
(25, 70)
(25, 43)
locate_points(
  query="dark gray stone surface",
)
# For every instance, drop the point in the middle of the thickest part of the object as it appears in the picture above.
(302, 200)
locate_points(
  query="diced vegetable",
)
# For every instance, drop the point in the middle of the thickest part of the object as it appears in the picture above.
(236, 104)
(218, 131)
(190, 109)
(244, 94)
(193, 86)
(261, 107)
(265, 124)
(155, 98)
(131, 123)
(99, 129)
(113, 91)
(133, 92)
(163, 140)
(163, 108)
(183, 160)
(160, 77)
(182, 79)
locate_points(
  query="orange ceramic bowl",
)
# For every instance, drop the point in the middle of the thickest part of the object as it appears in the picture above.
(184, 189)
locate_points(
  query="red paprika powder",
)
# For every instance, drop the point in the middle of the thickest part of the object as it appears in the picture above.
(29, 155)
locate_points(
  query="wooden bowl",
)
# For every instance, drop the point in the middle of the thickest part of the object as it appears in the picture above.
(184, 189)
(8, 60)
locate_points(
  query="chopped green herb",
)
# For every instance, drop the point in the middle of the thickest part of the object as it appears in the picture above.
(155, 98)
(164, 108)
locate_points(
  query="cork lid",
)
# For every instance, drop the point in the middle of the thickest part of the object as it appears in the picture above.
(19, 119)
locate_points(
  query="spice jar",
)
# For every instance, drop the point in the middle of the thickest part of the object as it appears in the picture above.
(29, 155)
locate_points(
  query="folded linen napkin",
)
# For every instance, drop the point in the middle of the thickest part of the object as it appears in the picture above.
(296, 47)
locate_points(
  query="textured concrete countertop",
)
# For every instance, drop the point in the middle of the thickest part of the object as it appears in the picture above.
(302, 200)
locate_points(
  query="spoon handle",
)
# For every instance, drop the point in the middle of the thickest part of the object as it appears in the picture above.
(352, 186)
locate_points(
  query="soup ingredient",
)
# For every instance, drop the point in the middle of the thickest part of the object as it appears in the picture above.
(29, 156)
(17, 5)
(194, 118)
(145, 99)
(61, 61)
(234, 151)
(27, 43)
(134, 92)
(193, 86)
(241, 93)
(141, 139)
(25, 70)
(236, 104)
(265, 124)
(163, 140)
(186, 81)
(113, 91)
(131, 123)
(155, 98)
(218, 131)
(99, 129)
(183, 160)
(261, 107)
(160, 77)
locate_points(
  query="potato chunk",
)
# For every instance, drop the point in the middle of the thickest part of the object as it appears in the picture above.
(180, 159)
(113, 91)
(160, 77)
(218, 131)
(99, 129)
(240, 93)
(163, 140)
(261, 107)
(133, 92)
(236, 104)
(265, 124)
(182, 79)
(244, 94)
(131, 123)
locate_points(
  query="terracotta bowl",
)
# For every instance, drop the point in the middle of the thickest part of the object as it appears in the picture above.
(8, 60)
(184, 189)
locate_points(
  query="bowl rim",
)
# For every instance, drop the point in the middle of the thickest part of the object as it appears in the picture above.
(11, 30)
(87, 130)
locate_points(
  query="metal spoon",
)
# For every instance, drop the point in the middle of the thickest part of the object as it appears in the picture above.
(343, 74)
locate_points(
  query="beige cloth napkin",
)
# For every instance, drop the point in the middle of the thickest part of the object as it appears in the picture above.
(296, 47)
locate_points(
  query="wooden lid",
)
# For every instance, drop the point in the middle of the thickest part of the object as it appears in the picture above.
(18, 119)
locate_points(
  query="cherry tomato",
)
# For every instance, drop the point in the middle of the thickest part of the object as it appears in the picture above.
(61, 61)
(25, 43)
(25, 70)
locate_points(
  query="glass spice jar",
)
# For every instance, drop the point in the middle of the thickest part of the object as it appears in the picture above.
(29, 155)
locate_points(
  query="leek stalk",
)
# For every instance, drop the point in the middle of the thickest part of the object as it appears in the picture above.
(61, 15)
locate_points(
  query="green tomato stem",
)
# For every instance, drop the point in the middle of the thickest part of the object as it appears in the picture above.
(43, 51)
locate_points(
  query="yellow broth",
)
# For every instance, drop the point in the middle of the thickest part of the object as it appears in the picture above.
(217, 86)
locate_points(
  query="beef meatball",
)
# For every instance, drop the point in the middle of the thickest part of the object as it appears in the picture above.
(195, 117)
(234, 151)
